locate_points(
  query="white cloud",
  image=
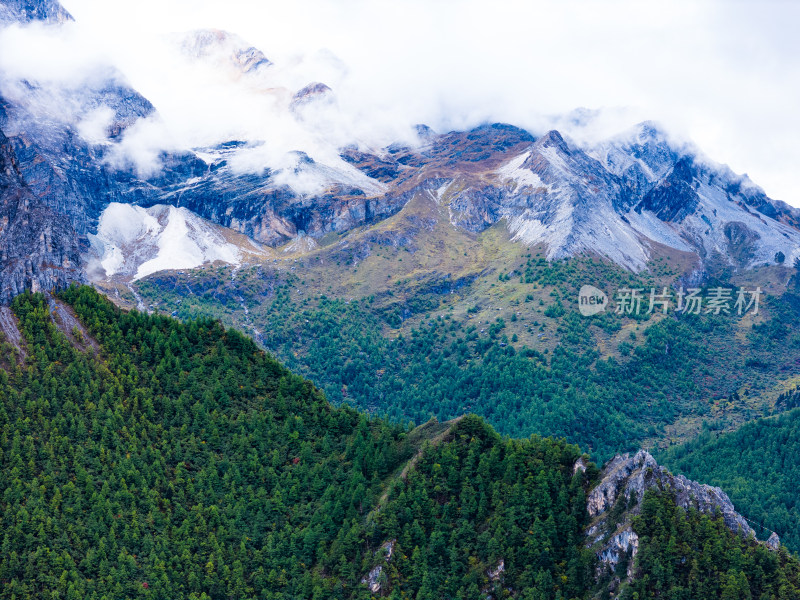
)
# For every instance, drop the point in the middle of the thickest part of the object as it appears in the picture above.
(94, 126)
(726, 74)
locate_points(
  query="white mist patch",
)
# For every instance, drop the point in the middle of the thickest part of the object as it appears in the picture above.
(133, 242)
(94, 126)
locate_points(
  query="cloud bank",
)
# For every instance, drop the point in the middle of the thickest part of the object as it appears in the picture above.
(724, 74)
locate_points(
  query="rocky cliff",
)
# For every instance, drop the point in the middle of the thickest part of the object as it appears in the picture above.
(39, 249)
(616, 499)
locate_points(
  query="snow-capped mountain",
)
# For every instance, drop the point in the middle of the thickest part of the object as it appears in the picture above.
(630, 194)
(623, 200)
(63, 186)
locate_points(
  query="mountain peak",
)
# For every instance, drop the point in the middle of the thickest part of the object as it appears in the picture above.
(553, 139)
(311, 93)
(649, 130)
(223, 48)
(26, 11)
(423, 131)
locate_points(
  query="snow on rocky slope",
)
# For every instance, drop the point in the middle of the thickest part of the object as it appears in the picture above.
(625, 199)
(133, 242)
(615, 200)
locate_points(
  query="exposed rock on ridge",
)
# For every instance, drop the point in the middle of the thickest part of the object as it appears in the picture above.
(616, 499)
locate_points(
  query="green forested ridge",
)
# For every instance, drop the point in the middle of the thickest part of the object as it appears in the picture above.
(517, 502)
(182, 462)
(757, 465)
(690, 556)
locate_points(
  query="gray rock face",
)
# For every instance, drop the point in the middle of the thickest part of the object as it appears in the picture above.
(624, 543)
(39, 249)
(617, 480)
(774, 542)
(374, 580)
(496, 574)
(624, 481)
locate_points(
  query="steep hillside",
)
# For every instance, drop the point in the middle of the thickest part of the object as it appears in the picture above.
(142, 457)
(414, 317)
(755, 464)
(178, 460)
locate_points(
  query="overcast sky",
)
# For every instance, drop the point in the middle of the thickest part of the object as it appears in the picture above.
(725, 74)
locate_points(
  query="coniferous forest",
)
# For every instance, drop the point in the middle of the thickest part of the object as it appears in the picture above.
(756, 465)
(160, 459)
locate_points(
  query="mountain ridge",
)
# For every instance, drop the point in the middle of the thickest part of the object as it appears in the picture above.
(249, 484)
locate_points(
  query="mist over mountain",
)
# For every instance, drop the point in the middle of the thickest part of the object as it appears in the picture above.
(75, 145)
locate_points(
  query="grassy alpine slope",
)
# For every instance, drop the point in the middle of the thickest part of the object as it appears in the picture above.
(414, 318)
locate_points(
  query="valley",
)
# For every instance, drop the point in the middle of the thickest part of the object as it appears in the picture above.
(361, 317)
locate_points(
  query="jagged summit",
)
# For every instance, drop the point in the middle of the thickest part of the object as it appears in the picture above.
(311, 92)
(553, 139)
(225, 49)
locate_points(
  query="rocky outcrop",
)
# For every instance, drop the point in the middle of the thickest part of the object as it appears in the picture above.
(623, 545)
(628, 477)
(496, 574)
(616, 499)
(375, 579)
(773, 542)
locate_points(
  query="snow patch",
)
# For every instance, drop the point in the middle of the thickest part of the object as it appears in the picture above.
(133, 242)
(513, 171)
(439, 193)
